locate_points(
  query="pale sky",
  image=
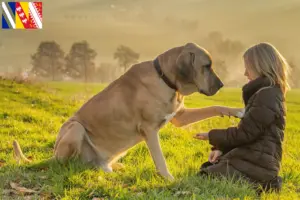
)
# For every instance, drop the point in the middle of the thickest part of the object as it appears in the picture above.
(151, 26)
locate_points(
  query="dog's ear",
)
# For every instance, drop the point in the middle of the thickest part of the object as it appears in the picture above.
(185, 62)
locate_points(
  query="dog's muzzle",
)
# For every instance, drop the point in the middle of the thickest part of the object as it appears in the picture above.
(203, 92)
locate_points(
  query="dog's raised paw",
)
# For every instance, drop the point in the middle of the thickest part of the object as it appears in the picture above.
(240, 114)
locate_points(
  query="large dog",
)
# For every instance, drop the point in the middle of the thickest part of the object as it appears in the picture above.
(135, 106)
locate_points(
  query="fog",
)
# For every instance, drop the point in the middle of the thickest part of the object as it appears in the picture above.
(151, 27)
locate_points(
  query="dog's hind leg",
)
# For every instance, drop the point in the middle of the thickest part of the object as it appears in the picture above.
(92, 154)
(73, 141)
(70, 142)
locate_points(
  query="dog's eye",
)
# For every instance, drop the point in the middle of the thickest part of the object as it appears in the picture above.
(208, 66)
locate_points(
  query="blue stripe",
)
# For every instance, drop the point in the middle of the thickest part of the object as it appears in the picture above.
(12, 6)
(4, 23)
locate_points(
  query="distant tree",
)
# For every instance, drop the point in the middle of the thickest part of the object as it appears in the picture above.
(230, 47)
(80, 61)
(126, 56)
(216, 43)
(48, 60)
(224, 51)
(221, 68)
(215, 38)
(106, 72)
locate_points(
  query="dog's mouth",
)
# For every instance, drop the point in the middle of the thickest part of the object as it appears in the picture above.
(208, 93)
(204, 92)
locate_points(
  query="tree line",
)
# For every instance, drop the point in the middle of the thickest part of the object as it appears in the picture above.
(227, 59)
(51, 62)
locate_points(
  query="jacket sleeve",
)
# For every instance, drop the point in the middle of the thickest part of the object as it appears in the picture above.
(249, 129)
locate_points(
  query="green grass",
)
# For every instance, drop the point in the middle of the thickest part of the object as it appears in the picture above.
(33, 114)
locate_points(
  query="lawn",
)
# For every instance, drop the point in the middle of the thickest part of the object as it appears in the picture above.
(33, 114)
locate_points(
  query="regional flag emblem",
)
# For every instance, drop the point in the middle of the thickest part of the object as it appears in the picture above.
(22, 15)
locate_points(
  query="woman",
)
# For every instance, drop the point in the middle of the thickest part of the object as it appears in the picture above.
(253, 149)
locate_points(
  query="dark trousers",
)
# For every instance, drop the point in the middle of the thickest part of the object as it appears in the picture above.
(223, 169)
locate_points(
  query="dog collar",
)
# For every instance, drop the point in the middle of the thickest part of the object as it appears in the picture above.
(162, 75)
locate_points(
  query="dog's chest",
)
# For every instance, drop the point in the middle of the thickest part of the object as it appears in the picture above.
(168, 117)
(170, 110)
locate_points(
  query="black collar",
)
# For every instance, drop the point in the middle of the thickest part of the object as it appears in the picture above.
(162, 75)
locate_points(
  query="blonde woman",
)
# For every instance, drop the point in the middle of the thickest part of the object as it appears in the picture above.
(253, 149)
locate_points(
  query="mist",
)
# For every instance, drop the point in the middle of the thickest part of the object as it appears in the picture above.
(150, 28)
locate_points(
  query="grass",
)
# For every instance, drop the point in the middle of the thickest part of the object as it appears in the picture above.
(33, 114)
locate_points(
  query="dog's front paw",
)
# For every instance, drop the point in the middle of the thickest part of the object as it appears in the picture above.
(236, 112)
(240, 114)
(168, 176)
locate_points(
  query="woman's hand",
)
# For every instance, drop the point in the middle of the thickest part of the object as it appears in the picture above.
(201, 136)
(227, 111)
(214, 155)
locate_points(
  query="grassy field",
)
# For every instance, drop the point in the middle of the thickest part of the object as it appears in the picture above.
(33, 114)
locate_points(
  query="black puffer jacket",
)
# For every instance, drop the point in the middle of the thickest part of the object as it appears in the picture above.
(254, 148)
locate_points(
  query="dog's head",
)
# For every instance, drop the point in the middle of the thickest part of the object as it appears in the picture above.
(194, 71)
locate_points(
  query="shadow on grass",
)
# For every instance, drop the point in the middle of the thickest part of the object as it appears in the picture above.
(75, 179)
(50, 177)
(196, 187)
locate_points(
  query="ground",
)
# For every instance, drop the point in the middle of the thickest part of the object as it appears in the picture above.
(33, 114)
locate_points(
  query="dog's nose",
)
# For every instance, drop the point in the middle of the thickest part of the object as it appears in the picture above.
(221, 84)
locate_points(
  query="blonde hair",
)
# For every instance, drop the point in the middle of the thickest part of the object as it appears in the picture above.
(265, 60)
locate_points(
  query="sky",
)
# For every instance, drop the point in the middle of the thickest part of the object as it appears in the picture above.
(150, 27)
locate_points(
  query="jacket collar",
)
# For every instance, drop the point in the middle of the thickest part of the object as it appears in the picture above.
(253, 86)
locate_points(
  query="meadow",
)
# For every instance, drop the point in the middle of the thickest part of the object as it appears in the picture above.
(33, 114)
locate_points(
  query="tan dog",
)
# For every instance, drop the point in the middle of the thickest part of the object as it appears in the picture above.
(135, 106)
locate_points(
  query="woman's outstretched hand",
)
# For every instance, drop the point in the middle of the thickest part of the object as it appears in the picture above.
(201, 136)
(214, 156)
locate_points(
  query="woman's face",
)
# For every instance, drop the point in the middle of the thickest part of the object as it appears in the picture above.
(250, 74)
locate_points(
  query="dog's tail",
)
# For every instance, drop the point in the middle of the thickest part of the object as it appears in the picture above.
(18, 153)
